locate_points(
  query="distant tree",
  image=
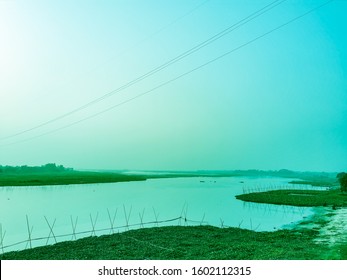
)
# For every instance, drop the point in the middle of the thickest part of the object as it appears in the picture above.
(49, 167)
(343, 181)
(24, 168)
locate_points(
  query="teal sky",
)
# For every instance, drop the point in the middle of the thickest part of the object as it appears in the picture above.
(278, 102)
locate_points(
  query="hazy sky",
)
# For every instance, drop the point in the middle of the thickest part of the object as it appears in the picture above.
(278, 102)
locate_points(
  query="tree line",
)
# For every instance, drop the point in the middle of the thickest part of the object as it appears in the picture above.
(49, 167)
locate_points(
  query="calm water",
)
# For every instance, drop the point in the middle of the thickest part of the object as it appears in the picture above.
(207, 200)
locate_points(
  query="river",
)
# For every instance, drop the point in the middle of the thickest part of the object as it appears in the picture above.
(58, 212)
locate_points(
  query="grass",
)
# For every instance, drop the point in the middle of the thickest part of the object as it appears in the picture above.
(308, 198)
(184, 243)
(64, 178)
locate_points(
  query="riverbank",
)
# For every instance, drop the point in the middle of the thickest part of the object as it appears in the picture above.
(309, 198)
(329, 221)
(51, 174)
(321, 236)
(331, 228)
(184, 243)
(65, 178)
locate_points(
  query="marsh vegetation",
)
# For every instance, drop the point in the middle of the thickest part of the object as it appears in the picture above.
(51, 174)
(308, 198)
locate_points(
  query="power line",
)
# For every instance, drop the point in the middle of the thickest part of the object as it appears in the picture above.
(149, 37)
(136, 44)
(177, 19)
(159, 68)
(177, 77)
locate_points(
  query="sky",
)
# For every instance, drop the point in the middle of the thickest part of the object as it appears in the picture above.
(80, 85)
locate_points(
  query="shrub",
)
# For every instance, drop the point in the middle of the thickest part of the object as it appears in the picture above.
(343, 181)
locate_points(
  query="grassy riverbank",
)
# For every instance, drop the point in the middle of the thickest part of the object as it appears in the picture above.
(178, 242)
(65, 178)
(52, 174)
(310, 198)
